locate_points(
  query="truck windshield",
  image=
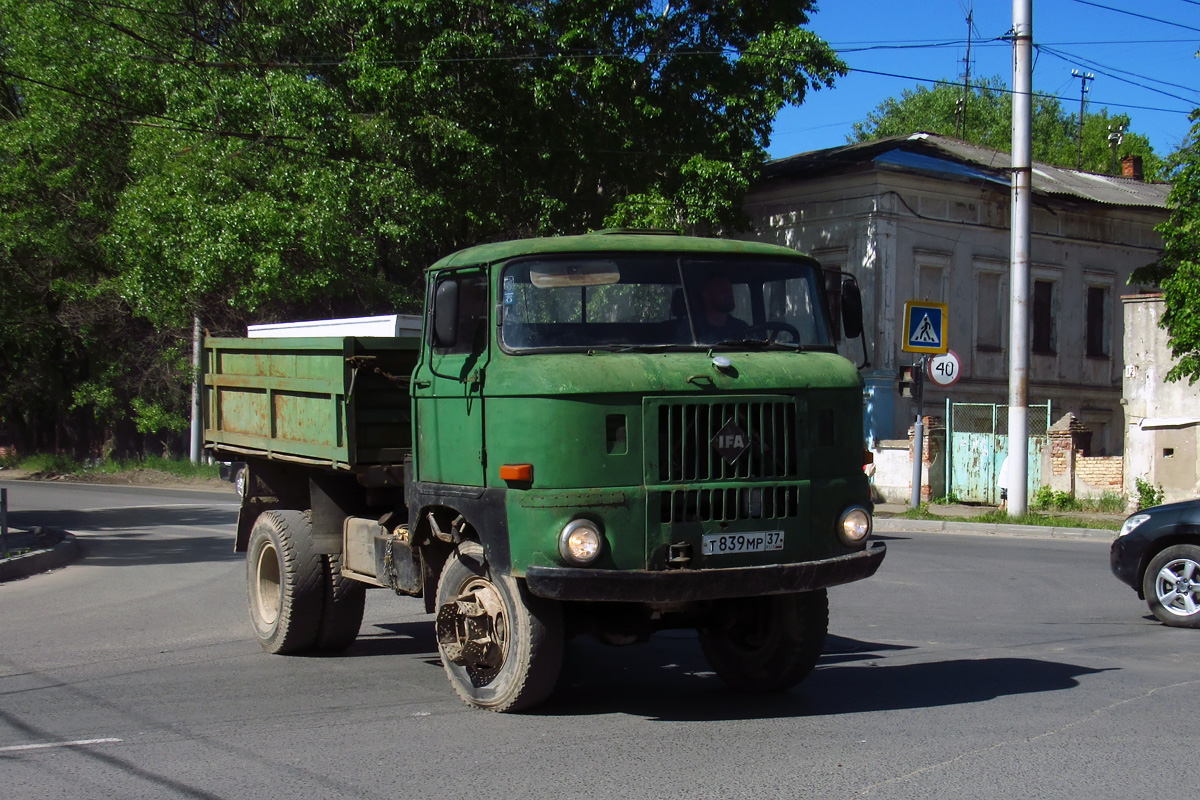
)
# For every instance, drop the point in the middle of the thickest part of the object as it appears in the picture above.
(660, 301)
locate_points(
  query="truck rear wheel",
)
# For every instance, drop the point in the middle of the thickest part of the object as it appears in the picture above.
(766, 644)
(285, 582)
(501, 647)
(342, 613)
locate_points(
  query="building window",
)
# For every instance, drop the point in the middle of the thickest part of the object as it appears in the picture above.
(1043, 317)
(931, 284)
(988, 329)
(1097, 321)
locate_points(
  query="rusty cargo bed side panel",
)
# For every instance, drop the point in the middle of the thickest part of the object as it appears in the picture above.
(340, 402)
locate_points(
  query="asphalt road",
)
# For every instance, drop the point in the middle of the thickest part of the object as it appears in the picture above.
(969, 666)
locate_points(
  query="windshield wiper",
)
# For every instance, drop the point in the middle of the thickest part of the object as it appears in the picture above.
(631, 348)
(758, 344)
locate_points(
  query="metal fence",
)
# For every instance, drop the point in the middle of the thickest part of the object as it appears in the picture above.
(976, 443)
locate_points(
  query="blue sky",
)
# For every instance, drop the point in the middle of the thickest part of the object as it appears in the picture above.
(1120, 49)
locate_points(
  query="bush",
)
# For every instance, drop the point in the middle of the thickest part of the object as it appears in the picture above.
(49, 463)
(1046, 499)
(1148, 494)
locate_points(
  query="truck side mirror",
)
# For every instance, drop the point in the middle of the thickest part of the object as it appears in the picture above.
(852, 310)
(445, 314)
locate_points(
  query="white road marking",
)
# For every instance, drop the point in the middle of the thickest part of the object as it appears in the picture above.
(77, 743)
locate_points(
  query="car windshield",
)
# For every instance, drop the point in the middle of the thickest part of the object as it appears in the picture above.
(663, 301)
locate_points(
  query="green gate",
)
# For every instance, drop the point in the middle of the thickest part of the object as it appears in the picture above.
(976, 443)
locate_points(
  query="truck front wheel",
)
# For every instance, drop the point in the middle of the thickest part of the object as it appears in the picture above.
(765, 644)
(285, 582)
(501, 647)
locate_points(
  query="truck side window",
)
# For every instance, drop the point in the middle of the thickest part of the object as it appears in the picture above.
(471, 316)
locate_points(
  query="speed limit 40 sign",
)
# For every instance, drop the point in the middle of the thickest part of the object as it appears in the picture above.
(945, 369)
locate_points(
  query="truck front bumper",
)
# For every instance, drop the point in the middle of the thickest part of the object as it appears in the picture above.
(676, 586)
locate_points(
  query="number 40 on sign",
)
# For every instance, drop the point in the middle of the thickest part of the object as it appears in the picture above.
(944, 369)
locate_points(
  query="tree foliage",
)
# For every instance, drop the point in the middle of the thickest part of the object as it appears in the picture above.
(987, 116)
(247, 160)
(1178, 272)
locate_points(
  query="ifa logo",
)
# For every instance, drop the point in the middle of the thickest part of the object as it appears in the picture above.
(731, 442)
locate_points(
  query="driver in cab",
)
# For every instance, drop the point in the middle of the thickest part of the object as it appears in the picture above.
(714, 321)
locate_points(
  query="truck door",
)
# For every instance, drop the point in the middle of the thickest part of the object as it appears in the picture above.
(448, 389)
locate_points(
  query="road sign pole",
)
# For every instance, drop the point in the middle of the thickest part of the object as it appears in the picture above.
(4, 521)
(918, 431)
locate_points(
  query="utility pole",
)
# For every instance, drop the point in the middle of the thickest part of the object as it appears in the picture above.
(1018, 334)
(962, 107)
(197, 438)
(1084, 78)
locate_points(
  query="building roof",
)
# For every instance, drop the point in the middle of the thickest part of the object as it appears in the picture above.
(954, 159)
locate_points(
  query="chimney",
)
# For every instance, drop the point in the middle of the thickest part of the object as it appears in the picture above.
(1131, 167)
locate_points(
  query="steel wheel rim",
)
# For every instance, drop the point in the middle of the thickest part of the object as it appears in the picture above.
(482, 589)
(268, 585)
(1177, 587)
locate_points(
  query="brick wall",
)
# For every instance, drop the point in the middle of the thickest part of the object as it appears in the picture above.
(1102, 473)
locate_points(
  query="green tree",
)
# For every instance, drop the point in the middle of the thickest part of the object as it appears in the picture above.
(247, 160)
(987, 116)
(1178, 272)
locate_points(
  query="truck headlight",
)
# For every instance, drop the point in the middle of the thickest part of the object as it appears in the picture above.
(580, 541)
(854, 526)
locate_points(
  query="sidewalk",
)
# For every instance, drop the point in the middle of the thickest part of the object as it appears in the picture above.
(37, 550)
(887, 521)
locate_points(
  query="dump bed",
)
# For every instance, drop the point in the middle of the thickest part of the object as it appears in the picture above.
(340, 402)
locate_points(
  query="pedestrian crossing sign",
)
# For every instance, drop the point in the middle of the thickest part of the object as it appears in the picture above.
(925, 327)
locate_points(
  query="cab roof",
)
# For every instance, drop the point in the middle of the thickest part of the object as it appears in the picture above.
(612, 241)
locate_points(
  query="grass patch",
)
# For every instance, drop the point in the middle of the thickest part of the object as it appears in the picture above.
(178, 467)
(50, 464)
(1000, 517)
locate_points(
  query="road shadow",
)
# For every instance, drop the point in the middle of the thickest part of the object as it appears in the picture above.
(117, 537)
(674, 683)
(395, 639)
(143, 549)
(133, 518)
(668, 678)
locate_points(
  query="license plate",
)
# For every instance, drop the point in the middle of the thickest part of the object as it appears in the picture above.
(717, 544)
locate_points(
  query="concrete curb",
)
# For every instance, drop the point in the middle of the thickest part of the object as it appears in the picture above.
(65, 551)
(892, 525)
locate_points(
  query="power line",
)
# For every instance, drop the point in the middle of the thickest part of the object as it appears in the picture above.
(1140, 16)
(1103, 71)
(942, 82)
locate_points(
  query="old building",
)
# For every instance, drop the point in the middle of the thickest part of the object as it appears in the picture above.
(927, 217)
(1162, 419)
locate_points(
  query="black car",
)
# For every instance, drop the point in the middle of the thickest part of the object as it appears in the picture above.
(235, 473)
(1157, 552)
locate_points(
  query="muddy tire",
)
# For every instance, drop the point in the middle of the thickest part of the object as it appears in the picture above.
(501, 647)
(342, 611)
(285, 582)
(766, 644)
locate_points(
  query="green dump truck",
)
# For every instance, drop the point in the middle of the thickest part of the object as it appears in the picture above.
(609, 434)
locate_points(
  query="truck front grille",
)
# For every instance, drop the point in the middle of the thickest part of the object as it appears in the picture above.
(687, 432)
(729, 505)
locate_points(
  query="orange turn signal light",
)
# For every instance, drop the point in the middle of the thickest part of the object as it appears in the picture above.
(520, 473)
